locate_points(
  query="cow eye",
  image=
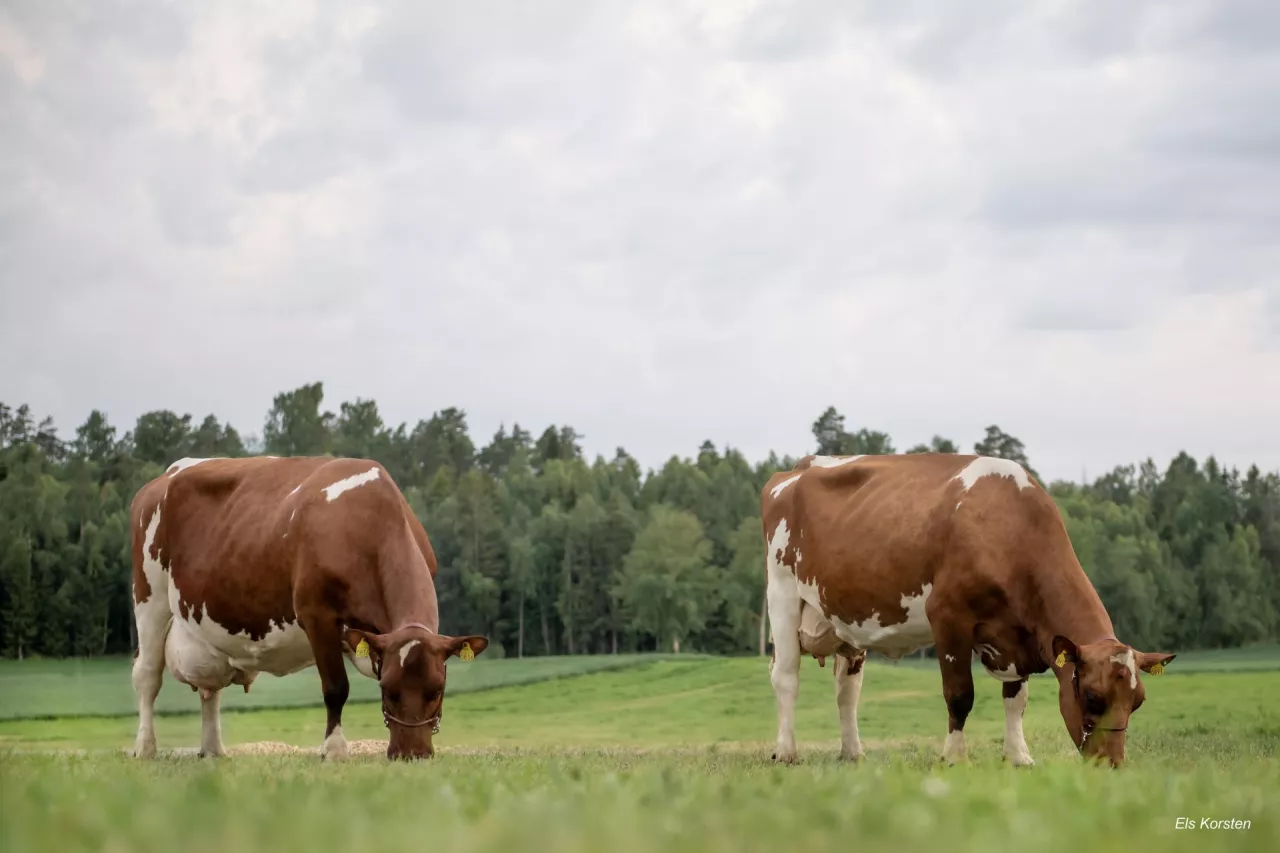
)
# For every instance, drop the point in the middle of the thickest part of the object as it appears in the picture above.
(1093, 703)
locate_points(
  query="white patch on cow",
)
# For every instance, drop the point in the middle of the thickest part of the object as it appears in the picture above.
(181, 465)
(985, 466)
(152, 619)
(777, 490)
(1009, 673)
(953, 750)
(951, 658)
(783, 597)
(990, 658)
(295, 490)
(1015, 744)
(335, 745)
(203, 653)
(406, 648)
(832, 461)
(892, 641)
(1125, 658)
(334, 491)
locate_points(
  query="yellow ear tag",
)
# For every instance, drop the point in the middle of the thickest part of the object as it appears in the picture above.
(362, 650)
(1156, 669)
(466, 653)
(1061, 661)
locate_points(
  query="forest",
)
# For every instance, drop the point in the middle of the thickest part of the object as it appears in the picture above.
(549, 552)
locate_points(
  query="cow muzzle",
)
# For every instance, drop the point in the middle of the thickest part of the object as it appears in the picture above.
(1103, 743)
(388, 718)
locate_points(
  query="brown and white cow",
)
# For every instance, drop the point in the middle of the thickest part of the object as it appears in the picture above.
(266, 564)
(969, 554)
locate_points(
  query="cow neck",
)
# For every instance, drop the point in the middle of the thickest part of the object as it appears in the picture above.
(409, 602)
(408, 592)
(1069, 606)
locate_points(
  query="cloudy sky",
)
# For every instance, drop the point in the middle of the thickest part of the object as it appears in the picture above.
(658, 222)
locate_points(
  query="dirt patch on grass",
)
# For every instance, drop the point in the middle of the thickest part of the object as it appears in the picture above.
(275, 747)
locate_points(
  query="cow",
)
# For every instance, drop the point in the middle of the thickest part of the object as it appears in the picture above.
(968, 554)
(265, 564)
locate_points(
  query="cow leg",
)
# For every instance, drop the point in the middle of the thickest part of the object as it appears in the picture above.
(147, 679)
(152, 619)
(956, 662)
(1015, 703)
(784, 670)
(848, 689)
(326, 642)
(211, 724)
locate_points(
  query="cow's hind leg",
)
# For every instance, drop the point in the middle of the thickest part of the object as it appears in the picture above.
(848, 689)
(152, 618)
(784, 670)
(211, 724)
(1015, 744)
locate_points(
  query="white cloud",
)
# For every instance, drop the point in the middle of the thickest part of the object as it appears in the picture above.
(658, 226)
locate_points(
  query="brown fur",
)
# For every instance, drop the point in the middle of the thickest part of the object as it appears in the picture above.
(249, 543)
(1004, 575)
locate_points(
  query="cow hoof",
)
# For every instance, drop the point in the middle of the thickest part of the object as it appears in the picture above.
(144, 751)
(1020, 760)
(335, 746)
(784, 759)
(855, 757)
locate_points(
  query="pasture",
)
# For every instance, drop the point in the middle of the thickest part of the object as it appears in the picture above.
(635, 754)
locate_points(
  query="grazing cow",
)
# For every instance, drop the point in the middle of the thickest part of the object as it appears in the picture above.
(893, 554)
(242, 566)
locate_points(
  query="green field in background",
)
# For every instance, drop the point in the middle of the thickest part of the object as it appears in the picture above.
(103, 686)
(666, 754)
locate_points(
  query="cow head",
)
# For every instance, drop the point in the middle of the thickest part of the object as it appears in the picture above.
(410, 667)
(1098, 689)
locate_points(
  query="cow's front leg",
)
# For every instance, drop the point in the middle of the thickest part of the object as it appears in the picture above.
(1015, 744)
(956, 662)
(848, 689)
(326, 643)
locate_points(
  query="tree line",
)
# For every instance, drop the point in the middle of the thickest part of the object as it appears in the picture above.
(549, 552)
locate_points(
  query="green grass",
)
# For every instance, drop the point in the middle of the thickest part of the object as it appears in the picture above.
(101, 687)
(668, 754)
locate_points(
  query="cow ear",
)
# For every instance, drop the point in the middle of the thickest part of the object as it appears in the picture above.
(364, 644)
(1064, 652)
(465, 648)
(1154, 662)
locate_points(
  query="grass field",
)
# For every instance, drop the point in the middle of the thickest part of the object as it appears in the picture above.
(101, 687)
(656, 754)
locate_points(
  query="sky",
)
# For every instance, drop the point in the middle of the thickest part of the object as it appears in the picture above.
(659, 223)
